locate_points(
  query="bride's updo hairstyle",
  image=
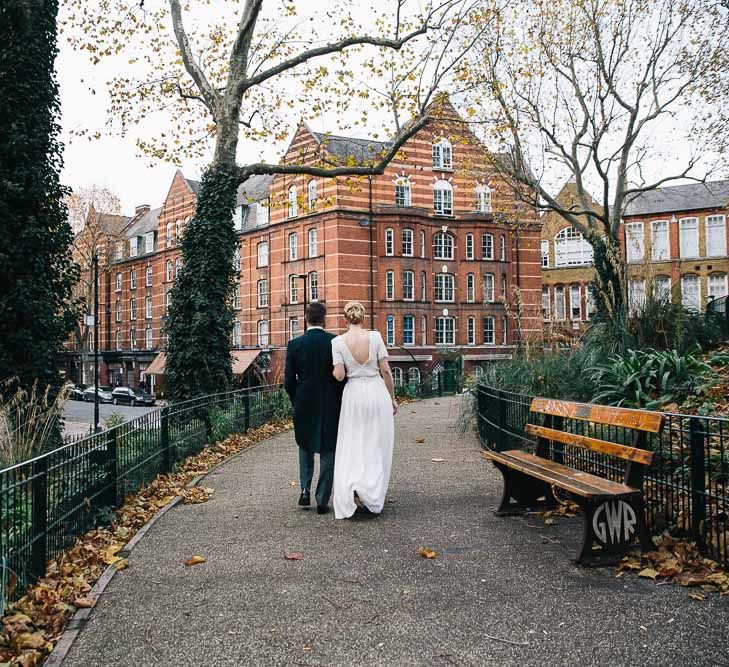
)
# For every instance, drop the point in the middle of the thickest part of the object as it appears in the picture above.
(354, 312)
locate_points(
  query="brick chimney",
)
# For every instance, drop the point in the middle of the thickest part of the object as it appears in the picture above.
(141, 209)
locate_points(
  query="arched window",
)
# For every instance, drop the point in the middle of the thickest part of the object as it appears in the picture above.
(442, 246)
(471, 331)
(413, 376)
(293, 289)
(390, 333)
(397, 376)
(263, 253)
(470, 288)
(483, 198)
(178, 266)
(502, 248)
(263, 333)
(407, 243)
(148, 338)
(422, 244)
(148, 308)
(313, 242)
(469, 246)
(149, 276)
(118, 340)
(237, 330)
(178, 231)
(571, 249)
(408, 285)
(168, 301)
(313, 286)
(168, 270)
(312, 194)
(169, 236)
(293, 246)
(691, 291)
(293, 202)
(402, 191)
(442, 198)
(132, 309)
(443, 155)
(390, 285)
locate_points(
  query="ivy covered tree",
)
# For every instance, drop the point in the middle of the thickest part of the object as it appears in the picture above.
(36, 270)
(240, 70)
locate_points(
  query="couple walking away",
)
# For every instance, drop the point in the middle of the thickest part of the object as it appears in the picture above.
(343, 395)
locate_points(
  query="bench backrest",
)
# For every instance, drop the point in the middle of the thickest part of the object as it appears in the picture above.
(641, 422)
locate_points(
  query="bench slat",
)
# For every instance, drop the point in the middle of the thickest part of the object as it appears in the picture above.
(580, 483)
(612, 449)
(640, 420)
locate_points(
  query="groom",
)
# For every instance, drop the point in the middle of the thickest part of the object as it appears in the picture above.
(317, 398)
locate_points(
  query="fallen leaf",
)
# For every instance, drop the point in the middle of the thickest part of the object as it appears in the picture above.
(697, 596)
(293, 482)
(420, 439)
(427, 553)
(84, 603)
(550, 522)
(123, 564)
(648, 573)
(307, 648)
(293, 556)
(437, 460)
(33, 640)
(194, 560)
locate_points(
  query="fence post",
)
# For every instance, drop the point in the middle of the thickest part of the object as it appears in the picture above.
(111, 462)
(501, 404)
(247, 409)
(164, 440)
(698, 479)
(39, 491)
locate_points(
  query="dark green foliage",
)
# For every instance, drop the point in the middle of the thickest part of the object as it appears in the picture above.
(648, 379)
(36, 270)
(200, 321)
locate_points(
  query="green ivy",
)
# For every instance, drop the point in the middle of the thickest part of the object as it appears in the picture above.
(201, 316)
(36, 269)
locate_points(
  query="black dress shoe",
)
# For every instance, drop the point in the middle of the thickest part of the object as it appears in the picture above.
(304, 499)
(322, 509)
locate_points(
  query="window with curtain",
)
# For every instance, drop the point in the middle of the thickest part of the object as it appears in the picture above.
(717, 285)
(715, 236)
(659, 241)
(559, 306)
(263, 253)
(634, 242)
(262, 328)
(688, 235)
(691, 291)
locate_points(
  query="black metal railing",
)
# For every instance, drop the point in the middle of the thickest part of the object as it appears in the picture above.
(46, 503)
(443, 382)
(686, 489)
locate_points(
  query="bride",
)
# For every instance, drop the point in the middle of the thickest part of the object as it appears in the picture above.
(366, 423)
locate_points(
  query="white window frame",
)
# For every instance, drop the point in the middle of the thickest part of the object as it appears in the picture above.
(237, 303)
(148, 308)
(688, 247)
(471, 331)
(487, 246)
(576, 296)
(470, 247)
(443, 155)
(293, 327)
(559, 299)
(168, 271)
(660, 241)
(132, 308)
(408, 285)
(313, 242)
(413, 377)
(262, 293)
(133, 279)
(262, 331)
(402, 192)
(544, 248)
(149, 338)
(445, 330)
(118, 311)
(134, 246)
(149, 242)
(571, 248)
(411, 329)
(293, 246)
(293, 203)
(170, 239)
(483, 199)
(149, 276)
(312, 283)
(470, 288)
(408, 244)
(119, 282)
(390, 330)
(546, 304)
(311, 190)
(443, 246)
(293, 289)
(686, 299)
(390, 286)
(636, 295)
(634, 242)
(445, 288)
(422, 244)
(423, 329)
(118, 339)
(237, 334)
(717, 276)
(442, 198)
(489, 332)
(262, 254)
(715, 227)
(662, 287)
(389, 241)
(397, 376)
(489, 287)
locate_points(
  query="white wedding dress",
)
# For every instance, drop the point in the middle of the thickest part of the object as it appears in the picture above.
(366, 431)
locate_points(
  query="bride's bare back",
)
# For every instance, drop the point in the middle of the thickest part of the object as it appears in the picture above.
(358, 342)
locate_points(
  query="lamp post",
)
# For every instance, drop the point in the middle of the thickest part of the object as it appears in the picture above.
(95, 261)
(305, 278)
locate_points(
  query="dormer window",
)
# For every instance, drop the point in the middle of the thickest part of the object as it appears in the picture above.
(443, 155)
(483, 198)
(312, 194)
(443, 198)
(238, 216)
(293, 202)
(402, 192)
(134, 246)
(120, 250)
(149, 242)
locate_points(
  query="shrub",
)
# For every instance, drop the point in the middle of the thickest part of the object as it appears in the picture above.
(647, 379)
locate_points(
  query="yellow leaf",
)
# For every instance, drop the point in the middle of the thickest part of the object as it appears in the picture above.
(194, 560)
(697, 596)
(84, 603)
(123, 564)
(420, 439)
(648, 572)
(427, 553)
(437, 460)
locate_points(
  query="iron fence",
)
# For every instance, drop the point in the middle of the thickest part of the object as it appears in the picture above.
(46, 503)
(686, 488)
(439, 383)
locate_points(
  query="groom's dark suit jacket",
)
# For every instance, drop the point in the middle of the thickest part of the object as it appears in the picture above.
(314, 392)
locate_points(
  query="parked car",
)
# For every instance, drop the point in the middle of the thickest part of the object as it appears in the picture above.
(104, 394)
(75, 393)
(131, 396)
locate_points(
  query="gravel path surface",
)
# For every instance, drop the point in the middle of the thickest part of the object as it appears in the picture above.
(500, 592)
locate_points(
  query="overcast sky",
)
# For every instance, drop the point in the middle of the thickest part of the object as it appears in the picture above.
(114, 162)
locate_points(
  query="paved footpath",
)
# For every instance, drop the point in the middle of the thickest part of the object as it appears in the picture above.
(500, 592)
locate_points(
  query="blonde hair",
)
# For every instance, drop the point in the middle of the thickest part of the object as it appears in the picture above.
(354, 312)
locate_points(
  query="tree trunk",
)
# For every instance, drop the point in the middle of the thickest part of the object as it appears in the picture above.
(609, 287)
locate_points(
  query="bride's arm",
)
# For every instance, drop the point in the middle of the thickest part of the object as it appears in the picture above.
(389, 382)
(339, 371)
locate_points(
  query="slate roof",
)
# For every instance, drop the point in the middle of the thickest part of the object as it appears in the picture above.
(113, 224)
(145, 223)
(194, 185)
(253, 189)
(690, 197)
(345, 148)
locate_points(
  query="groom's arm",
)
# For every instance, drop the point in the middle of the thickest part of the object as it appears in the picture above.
(291, 379)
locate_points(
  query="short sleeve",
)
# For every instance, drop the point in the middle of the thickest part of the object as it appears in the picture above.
(337, 357)
(381, 349)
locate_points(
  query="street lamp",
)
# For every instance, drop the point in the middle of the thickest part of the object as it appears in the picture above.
(305, 278)
(95, 261)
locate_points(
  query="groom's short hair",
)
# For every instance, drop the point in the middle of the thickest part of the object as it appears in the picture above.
(316, 314)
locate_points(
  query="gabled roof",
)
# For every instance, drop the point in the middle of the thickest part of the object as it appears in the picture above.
(147, 222)
(690, 197)
(347, 148)
(253, 189)
(193, 185)
(112, 224)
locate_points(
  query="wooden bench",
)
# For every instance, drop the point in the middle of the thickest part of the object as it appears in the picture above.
(613, 512)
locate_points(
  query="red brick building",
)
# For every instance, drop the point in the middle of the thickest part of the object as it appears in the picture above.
(445, 260)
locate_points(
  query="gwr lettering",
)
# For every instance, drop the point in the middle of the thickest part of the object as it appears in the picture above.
(617, 515)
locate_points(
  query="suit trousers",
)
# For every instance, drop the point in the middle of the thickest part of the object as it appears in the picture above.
(326, 474)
